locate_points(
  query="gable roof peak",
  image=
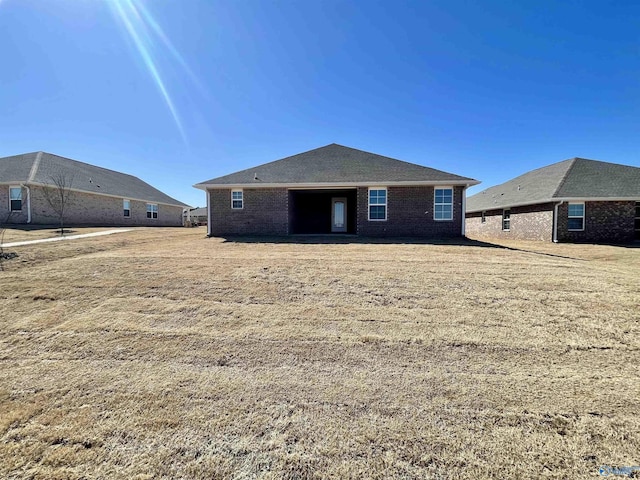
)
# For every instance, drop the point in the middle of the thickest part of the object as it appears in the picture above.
(336, 165)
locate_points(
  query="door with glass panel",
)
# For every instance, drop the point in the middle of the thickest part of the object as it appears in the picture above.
(338, 214)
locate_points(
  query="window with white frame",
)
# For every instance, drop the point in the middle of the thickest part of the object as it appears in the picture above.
(237, 199)
(576, 217)
(126, 208)
(152, 210)
(15, 198)
(377, 204)
(443, 204)
(506, 220)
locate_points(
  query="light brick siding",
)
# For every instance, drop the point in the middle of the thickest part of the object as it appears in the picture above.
(603, 222)
(89, 209)
(5, 209)
(265, 212)
(533, 222)
(409, 213)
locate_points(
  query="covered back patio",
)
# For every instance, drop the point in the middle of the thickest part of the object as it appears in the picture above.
(322, 212)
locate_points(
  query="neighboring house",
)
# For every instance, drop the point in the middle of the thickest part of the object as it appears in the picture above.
(196, 216)
(339, 190)
(99, 196)
(576, 200)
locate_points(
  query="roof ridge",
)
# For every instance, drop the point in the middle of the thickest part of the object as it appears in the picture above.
(565, 176)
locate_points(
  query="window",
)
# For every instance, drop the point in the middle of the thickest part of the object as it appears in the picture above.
(443, 204)
(126, 206)
(237, 199)
(152, 210)
(576, 217)
(15, 198)
(506, 220)
(377, 204)
(484, 218)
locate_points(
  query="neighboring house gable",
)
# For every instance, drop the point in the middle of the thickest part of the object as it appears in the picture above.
(101, 196)
(337, 189)
(573, 200)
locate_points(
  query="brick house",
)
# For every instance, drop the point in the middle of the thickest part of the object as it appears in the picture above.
(337, 190)
(576, 200)
(98, 196)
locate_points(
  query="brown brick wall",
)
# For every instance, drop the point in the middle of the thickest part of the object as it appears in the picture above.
(90, 209)
(533, 222)
(265, 212)
(409, 213)
(603, 222)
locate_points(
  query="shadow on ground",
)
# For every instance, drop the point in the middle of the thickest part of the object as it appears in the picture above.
(353, 239)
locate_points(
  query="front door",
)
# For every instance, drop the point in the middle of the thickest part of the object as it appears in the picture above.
(338, 214)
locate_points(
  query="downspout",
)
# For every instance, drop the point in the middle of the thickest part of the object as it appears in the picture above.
(208, 212)
(464, 209)
(555, 221)
(28, 203)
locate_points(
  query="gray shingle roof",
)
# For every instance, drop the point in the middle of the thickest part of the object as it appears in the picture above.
(16, 168)
(577, 178)
(335, 164)
(85, 177)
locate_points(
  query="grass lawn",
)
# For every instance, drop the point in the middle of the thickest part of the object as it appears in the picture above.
(159, 353)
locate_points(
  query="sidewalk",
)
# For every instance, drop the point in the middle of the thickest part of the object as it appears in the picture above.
(58, 239)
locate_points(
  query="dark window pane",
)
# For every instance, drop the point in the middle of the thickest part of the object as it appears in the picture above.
(576, 210)
(377, 212)
(16, 205)
(575, 224)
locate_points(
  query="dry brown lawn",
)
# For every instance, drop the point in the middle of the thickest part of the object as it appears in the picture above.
(160, 354)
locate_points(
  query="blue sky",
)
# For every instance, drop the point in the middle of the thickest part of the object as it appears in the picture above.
(181, 91)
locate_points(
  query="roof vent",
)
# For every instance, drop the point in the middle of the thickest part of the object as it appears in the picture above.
(255, 176)
(518, 187)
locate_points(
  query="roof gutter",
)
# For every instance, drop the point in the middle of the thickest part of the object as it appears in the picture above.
(335, 185)
(555, 221)
(89, 192)
(557, 199)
